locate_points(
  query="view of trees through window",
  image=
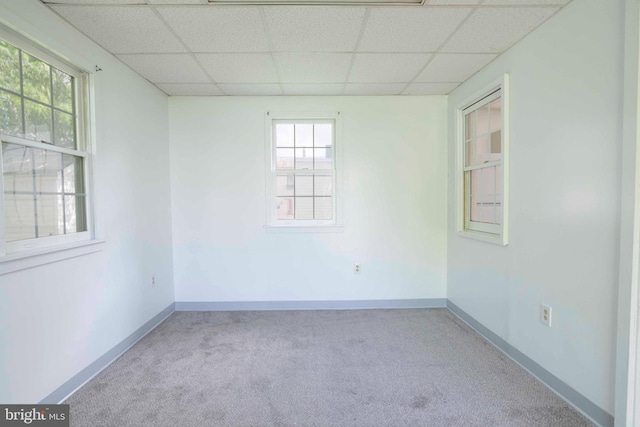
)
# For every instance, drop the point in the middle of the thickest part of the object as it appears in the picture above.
(43, 180)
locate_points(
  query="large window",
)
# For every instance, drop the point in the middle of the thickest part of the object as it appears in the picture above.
(483, 154)
(302, 171)
(44, 156)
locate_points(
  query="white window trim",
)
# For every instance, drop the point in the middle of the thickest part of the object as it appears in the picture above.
(24, 254)
(490, 233)
(302, 226)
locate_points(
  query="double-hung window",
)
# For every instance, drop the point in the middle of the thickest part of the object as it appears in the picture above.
(44, 156)
(302, 171)
(483, 152)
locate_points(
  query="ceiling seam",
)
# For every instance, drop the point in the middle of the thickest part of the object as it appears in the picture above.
(189, 52)
(433, 56)
(365, 21)
(263, 19)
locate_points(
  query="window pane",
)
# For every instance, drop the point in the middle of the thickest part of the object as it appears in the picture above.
(284, 207)
(73, 174)
(304, 185)
(482, 120)
(304, 135)
(477, 151)
(9, 67)
(483, 195)
(323, 158)
(20, 220)
(470, 125)
(284, 158)
(64, 130)
(50, 214)
(323, 185)
(284, 135)
(48, 171)
(304, 207)
(17, 163)
(10, 114)
(62, 90)
(304, 158)
(323, 208)
(284, 185)
(496, 114)
(75, 214)
(37, 81)
(323, 135)
(496, 146)
(37, 121)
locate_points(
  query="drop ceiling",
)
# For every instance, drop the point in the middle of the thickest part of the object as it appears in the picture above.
(193, 47)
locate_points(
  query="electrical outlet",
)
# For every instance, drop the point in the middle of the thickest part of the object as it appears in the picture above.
(545, 315)
(153, 280)
(356, 268)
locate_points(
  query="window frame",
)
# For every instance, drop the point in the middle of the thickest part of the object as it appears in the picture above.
(301, 225)
(84, 149)
(492, 233)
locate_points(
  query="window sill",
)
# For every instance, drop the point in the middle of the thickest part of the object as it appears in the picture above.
(496, 239)
(34, 258)
(304, 228)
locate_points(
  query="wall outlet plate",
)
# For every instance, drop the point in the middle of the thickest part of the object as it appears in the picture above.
(356, 268)
(545, 315)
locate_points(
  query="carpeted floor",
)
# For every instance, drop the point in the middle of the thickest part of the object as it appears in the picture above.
(421, 367)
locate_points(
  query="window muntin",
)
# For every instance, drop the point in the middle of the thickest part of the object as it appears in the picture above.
(43, 155)
(303, 169)
(482, 164)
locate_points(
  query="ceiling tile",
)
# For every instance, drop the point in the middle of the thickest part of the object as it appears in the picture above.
(430, 88)
(180, 89)
(496, 29)
(124, 29)
(314, 29)
(313, 89)
(176, 68)
(373, 88)
(313, 67)
(217, 28)
(239, 67)
(251, 90)
(387, 67)
(454, 67)
(409, 29)
(452, 2)
(525, 2)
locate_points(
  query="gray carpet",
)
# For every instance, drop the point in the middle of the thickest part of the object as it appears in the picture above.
(421, 367)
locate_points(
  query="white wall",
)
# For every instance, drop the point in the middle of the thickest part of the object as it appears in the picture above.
(563, 232)
(394, 199)
(58, 318)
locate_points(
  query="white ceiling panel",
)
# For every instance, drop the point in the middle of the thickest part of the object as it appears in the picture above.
(387, 67)
(452, 2)
(454, 67)
(123, 29)
(217, 28)
(496, 29)
(251, 90)
(176, 68)
(314, 29)
(430, 88)
(313, 67)
(409, 29)
(373, 88)
(313, 89)
(526, 2)
(239, 67)
(187, 89)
